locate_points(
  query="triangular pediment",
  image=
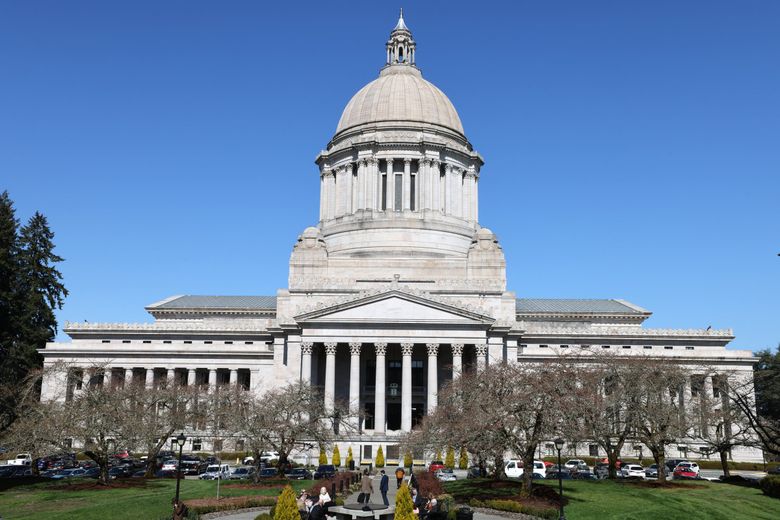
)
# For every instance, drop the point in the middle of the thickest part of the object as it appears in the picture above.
(394, 307)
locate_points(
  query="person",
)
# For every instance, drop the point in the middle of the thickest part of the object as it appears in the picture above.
(431, 507)
(383, 484)
(324, 496)
(399, 476)
(413, 482)
(302, 499)
(317, 511)
(366, 487)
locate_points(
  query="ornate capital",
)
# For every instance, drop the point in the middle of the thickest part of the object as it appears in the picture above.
(349, 168)
(354, 348)
(306, 347)
(381, 348)
(457, 349)
(433, 349)
(330, 348)
(407, 160)
(481, 349)
(406, 348)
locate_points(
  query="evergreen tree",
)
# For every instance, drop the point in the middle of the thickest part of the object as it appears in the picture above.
(323, 456)
(336, 456)
(408, 459)
(41, 287)
(286, 506)
(463, 463)
(10, 315)
(379, 462)
(449, 460)
(404, 507)
(349, 456)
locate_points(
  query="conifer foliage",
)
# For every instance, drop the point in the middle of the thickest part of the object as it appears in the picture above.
(379, 462)
(336, 456)
(449, 459)
(323, 456)
(349, 456)
(404, 507)
(286, 507)
(30, 290)
(463, 462)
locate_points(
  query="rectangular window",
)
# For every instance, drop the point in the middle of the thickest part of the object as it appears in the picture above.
(668, 348)
(217, 445)
(249, 343)
(384, 192)
(593, 450)
(167, 341)
(542, 346)
(368, 453)
(187, 341)
(207, 342)
(228, 343)
(564, 346)
(647, 347)
(370, 373)
(393, 451)
(688, 348)
(412, 192)
(418, 374)
(197, 445)
(604, 346)
(626, 346)
(399, 192)
(368, 409)
(106, 341)
(125, 341)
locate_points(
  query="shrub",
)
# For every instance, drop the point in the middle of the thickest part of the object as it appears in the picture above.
(446, 502)
(438, 455)
(323, 456)
(475, 502)
(516, 507)
(336, 456)
(449, 459)
(771, 486)
(286, 506)
(379, 462)
(404, 507)
(408, 459)
(463, 462)
(349, 456)
(202, 506)
(264, 516)
(428, 483)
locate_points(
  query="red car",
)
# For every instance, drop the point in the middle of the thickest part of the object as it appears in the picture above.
(686, 470)
(605, 460)
(435, 465)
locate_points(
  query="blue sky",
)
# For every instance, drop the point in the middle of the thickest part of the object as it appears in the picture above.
(632, 148)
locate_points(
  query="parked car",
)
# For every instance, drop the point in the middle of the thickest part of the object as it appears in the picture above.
(585, 475)
(445, 475)
(216, 471)
(324, 471)
(671, 464)
(242, 472)
(473, 472)
(192, 467)
(270, 473)
(774, 471)
(564, 475)
(70, 473)
(122, 454)
(686, 470)
(651, 471)
(298, 474)
(16, 472)
(170, 465)
(576, 464)
(435, 466)
(141, 473)
(632, 471)
(22, 459)
(118, 472)
(514, 468)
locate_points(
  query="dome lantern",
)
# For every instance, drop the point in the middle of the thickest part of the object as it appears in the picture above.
(401, 47)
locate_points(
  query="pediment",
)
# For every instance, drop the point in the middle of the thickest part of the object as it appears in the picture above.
(395, 307)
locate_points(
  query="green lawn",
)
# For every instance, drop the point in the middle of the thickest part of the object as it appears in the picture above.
(607, 500)
(151, 502)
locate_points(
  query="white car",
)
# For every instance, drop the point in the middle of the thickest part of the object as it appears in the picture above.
(170, 465)
(445, 475)
(632, 471)
(575, 464)
(514, 468)
(23, 459)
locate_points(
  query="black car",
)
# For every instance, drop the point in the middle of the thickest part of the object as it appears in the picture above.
(325, 471)
(119, 472)
(585, 475)
(774, 471)
(268, 473)
(298, 474)
(553, 475)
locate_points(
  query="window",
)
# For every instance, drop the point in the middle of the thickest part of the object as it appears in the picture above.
(384, 192)
(542, 346)
(647, 347)
(147, 341)
(584, 346)
(167, 341)
(125, 341)
(368, 411)
(604, 346)
(688, 348)
(197, 444)
(217, 445)
(399, 192)
(564, 346)
(207, 342)
(668, 348)
(697, 385)
(228, 343)
(593, 450)
(367, 452)
(626, 346)
(393, 452)
(106, 341)
(240, 445)
(418, 374)
(187, 341)
(249, 343)
(370, 373)
(717, 384)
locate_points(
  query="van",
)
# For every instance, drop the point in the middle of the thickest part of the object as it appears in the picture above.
(514, 468)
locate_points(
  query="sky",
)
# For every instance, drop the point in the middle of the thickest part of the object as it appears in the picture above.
(632, 149)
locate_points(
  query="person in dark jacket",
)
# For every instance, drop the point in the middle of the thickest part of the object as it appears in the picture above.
(317, 511)
(383, 485)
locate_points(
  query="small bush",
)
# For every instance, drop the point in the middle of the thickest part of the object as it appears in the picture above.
(771, 486)
(463, 461)
(428, 483)
(516, 507)
(323, 457)
(202, 506)
(404, 507)
(408, 459)
(336, 456)
(446, 502)
(286, 506)
(449, 459)
(379, 462)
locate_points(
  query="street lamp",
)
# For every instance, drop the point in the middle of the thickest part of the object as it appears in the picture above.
(638, 449)
(559, 446)
(180, 440)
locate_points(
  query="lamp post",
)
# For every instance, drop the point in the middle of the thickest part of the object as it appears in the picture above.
(559, 447)
(180, 440)
(638, 449)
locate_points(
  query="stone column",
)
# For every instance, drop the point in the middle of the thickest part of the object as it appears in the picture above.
(129, 377)
(332, 194)
(354, 378)
(457, 192)
(435, 185)
(360, 202)
(475, 197)
(390, 198)
(379, 388)
(322, 195)
(457, 359)
(448, 189)
(306, 348)
(349, 190)
(212, 386)
(406, 386)
(171, 377)
(149, 378)
(407, 184)
(373, 180)
(433, 376)
(468, 177)
(233, 377)
(330, 377)
(481, 349)
(341, 191)
(191, 377)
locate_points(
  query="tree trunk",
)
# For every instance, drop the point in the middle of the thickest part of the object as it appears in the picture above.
(499, 473)
(104, 479)
(528, 470)
(612, 456)
(659, 455)
(724, 462)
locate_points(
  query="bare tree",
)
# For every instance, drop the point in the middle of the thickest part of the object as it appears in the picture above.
(658, 411)
(284, 419)
(742, 395)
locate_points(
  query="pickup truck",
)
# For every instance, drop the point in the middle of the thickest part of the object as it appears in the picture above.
(23, 459)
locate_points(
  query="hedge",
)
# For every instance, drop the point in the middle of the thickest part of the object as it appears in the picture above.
(770, 485)
(516, 507)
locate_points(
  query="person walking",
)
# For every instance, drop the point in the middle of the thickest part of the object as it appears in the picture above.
(383, 484)
(399, 476)
(366, 487)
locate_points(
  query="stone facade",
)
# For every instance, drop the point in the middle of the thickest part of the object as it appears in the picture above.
(395, 289)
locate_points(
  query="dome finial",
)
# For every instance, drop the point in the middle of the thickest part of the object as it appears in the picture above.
(400, 46)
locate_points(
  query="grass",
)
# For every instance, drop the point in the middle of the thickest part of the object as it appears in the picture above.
(54, 501)
(607, 500)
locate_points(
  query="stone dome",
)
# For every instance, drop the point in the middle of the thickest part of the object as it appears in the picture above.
(400, 94)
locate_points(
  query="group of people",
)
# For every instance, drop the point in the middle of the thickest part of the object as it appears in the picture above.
(315, 507)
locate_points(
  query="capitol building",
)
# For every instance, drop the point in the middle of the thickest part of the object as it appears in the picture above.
(394, 290)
